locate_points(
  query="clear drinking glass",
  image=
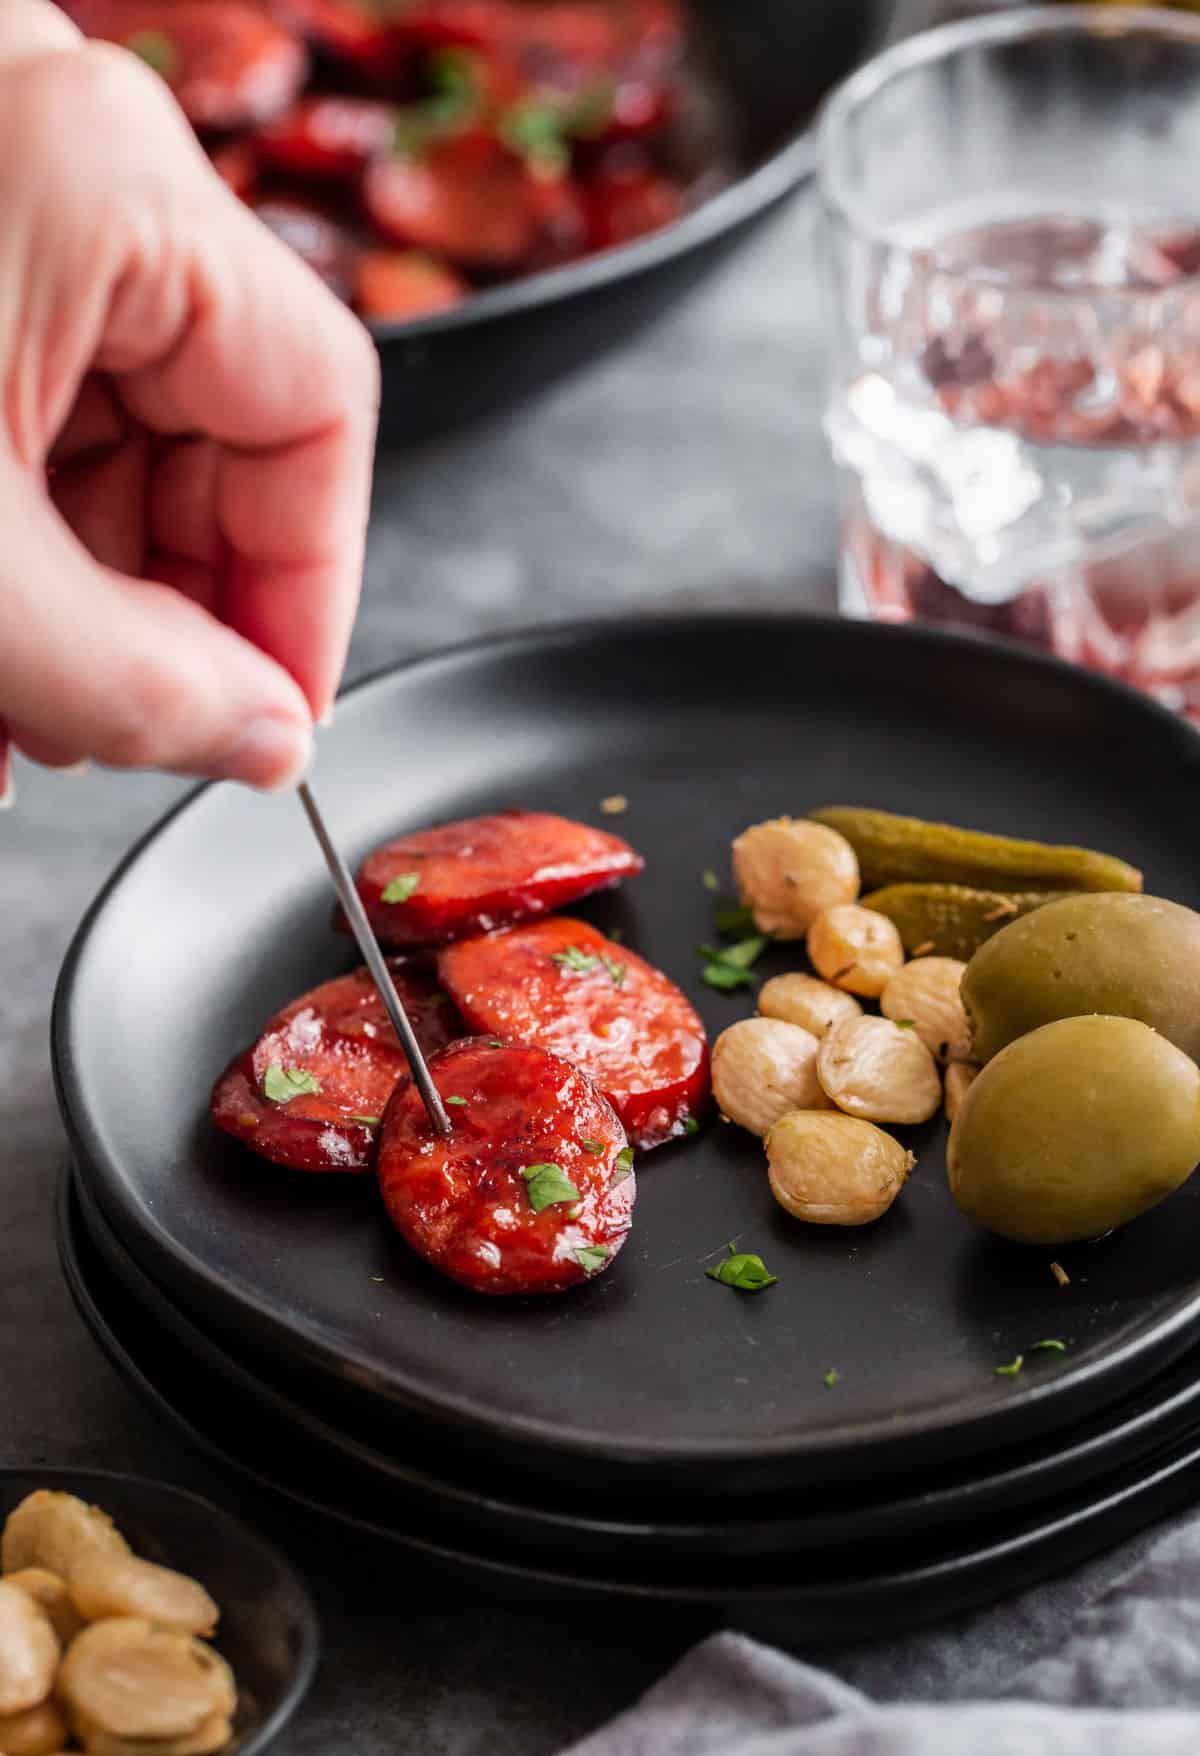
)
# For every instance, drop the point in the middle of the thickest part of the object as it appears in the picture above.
(1012, 213)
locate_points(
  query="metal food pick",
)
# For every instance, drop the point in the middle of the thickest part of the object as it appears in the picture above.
(376, 962)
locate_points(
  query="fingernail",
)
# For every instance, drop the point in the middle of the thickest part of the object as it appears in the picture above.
(270, 753)
(326, 719)
(8, 786)
(72, 769)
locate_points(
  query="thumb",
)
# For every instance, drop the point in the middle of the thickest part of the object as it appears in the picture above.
(129, 672)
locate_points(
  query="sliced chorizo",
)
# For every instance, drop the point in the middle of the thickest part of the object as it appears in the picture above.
(532, 1192)
(562, 985)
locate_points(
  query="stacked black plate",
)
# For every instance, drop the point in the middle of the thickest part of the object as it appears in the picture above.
(653, 1434)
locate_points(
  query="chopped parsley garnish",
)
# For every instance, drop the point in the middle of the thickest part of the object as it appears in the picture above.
(155, 49)
(625, 1159)
(456, 1100)
(728, 966)
(493, 1042)
(616, 970)
(593, 1146)
(904, 1024)
(451, 103)
(580, 963)
(690, 1125)
(282, 1084)
(368, 1121)
(548, 1184)
(1052, 1346)
(401, 888)
(831, 1377)
(710, 880)
(742, 1270)
(590, 1257)
(734, 920)
(725, 976)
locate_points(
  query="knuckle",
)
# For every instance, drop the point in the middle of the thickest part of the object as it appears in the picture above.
(148, 718)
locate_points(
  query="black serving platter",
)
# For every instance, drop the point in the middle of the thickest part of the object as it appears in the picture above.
(653, 1377)
(268, 1630)
(794, 1603)
(666, 1534)
(770, 62)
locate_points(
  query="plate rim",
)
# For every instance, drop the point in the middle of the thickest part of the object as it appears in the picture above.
(1131, 1488)
(76, 1208)
(405, 1390)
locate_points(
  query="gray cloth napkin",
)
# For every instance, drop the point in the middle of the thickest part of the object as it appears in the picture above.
(1119, 1676)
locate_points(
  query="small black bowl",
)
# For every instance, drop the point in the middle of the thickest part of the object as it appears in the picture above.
(269, 1631)
(771, 62)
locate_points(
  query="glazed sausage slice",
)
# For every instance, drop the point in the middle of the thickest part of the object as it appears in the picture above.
(470, 200)
(229, 63)
(339, 1039)
(328, 137)
(396, 284)
(564, 986)
(463, 878)
(532, 1193)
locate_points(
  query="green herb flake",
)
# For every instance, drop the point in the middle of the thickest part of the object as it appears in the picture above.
(593, 1146)
(456, 1100)
(368, 1121)
(831, 1377)
(580, 963)
(590, 1257)
(1047, 1347)
(1011, 1370)
(401, 888)
(592, 111)
(616, 970)
(904, 1024)
(710, 880)
(734, 920)
(155, 49)
(741, 955)
(690, 1125)
(548, 1184)
(493, 1042)
(282, 1084)
(625, 1159)
(725, 977)
(742, 1270)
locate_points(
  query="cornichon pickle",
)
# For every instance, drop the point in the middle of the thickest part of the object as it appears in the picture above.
(951, 919)
(899, 850)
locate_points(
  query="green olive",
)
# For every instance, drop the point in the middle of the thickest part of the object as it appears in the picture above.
(1127, 956)
(1074, 1129)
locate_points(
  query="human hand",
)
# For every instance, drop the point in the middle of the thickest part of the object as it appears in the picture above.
(187, 420)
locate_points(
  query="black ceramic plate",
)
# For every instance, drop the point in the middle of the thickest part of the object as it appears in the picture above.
(268, 1630)
(665, 1534)
(795, 1603)
(770, 62)
(653, 1374)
